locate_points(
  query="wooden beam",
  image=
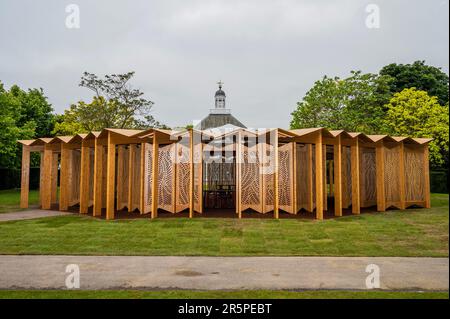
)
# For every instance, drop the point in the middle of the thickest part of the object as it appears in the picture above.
(64, 186)
(155, 163)
(337, 159)
(401, 173)
(276, 191)
(25, 178)
(310, 183)
(319, 176)
(84, 178)
(110, 177)
(355, 176)
(426, 170)
(380, 176)
(98, 177)
(46, 188)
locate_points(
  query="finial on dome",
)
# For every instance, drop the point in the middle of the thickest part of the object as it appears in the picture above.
(220, 84)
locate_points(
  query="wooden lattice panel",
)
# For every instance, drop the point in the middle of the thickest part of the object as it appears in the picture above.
(74, 176)
(250, 179)
(148, 177)
(166, 178)
(368, 189)
(304, 176)
(198, 178)
(182, 176)
(122, 176)
(136, 180)
(286, 179)
(268, 177)
(91, 176)
(392, 175)
(414, 174)
(104, 174)
(346, 177)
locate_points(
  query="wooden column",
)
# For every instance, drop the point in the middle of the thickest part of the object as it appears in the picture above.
(401, 174)
(381, 195)
(84, 178)
(64, 186)
(276, 191)
(25, 177)
(310, 182)
(294, 177)
(426, 171)
(46, 191)
(319, 177)
(355, 172)
(98, 178)
(239, 160)
(41, 173)
(110, 177)
(337, 189)
(155, 176)
(191, 173)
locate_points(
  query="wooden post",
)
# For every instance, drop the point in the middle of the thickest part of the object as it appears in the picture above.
(110, 177)
(337, 159)
(239, 160)
(64, 186)
(142, 181)
(41, 173)
(276, 191)
(381, 195)
(46, 191)
(191, 173)
(98, 177)
(426, 170)
(310, 205)
(294, 177)
(155, 176)
(84, 178)
(25, 178)
(401, 173)
(319, 177)
(355, 172)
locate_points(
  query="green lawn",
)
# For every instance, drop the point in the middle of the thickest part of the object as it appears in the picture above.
(244, 294)
(414, 232)
(10, 200)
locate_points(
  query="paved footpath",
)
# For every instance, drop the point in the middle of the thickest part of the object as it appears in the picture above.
(30, 214)
(209, 273)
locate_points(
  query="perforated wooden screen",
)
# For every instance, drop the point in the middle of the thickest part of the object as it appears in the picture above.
(367, 167)
(414, 174)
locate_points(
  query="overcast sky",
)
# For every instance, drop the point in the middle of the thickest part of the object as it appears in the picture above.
(268, 53)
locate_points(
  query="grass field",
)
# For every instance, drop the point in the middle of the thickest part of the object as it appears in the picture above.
(10, 199)
(243, 294)
(414, 232)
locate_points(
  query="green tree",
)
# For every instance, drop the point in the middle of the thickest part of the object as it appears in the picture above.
(414, 113)
(23, 115)
(419, 75)
(353, 104)
(116, 104)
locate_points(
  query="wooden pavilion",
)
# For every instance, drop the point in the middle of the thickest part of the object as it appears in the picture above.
(264, 171)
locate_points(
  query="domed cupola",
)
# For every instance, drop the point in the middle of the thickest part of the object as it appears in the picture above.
(220, 97)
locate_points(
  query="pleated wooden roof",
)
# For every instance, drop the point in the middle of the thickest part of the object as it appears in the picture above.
(173, 134)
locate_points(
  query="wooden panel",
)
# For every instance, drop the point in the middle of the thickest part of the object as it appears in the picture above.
(304, 177)
(346, 177)
(250, 178)
(368, 177)
(182, 175)
(426, 176)
(136, 187)
(25, 177)
(338, 178)
(166, 178)
(380, 177)
(155, 174)
(46, 190)
(148, 160)
(414, 174)
(54, 181)
(285, 173)
(122, 177)
(355, 177)
(64, 188)
(74, 177)
(268, 177)
(98, 178)
(198, 174)
(276, 201)
(319, 165)
(392, 175)
(111, 176)
(84, 179)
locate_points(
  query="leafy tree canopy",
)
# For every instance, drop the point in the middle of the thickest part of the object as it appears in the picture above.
(116, 104)
(23, 115)
(414, 113)
(419, 75)
(353, 104)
